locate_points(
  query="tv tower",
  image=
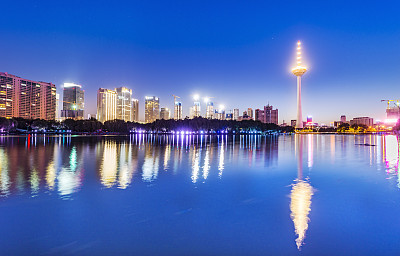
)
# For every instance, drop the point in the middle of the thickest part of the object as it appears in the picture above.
(298, 71)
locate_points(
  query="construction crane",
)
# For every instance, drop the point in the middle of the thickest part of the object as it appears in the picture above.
(396, 102)
(175, 97)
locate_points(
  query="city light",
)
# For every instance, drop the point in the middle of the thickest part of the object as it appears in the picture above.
(196, 97)
(221, 107)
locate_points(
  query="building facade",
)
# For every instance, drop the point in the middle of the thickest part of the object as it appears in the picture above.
(368, 121)
(164, 113)
(135, 110)
(124, 104)
(106, 105)
(178, 110)
(25, 98)
(250, 112)
(73, 101)
(235, 114)
(267, 115)
(195, 110)
(210, 110)
(152, 109)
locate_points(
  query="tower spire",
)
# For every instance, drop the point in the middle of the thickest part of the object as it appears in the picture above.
(298, 71)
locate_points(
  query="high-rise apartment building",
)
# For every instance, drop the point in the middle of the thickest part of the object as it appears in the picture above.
(235, 114)
(164, 113)
(250, 112)
(178, 110)
(343, 119)
(152, 109)
(124, 104)
(368, 121)
(210, 110)
(25, 98)
(58, 107)
(106, 105)
(195, 110)
(73, 101)
(135, 110)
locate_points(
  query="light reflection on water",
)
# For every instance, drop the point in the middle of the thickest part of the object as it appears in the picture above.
(62, 164)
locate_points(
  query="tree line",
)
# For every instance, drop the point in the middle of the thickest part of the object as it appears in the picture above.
(120, 126)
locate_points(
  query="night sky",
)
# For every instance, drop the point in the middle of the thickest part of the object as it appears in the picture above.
(241, 53)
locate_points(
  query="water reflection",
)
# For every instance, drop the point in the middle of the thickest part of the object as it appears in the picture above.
(300, 196)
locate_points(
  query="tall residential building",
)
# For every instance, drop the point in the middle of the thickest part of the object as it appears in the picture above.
(178, 110)
(195, 110)
(164, 113)
(151, 108)
(135, 110)
(124, 104)
(210, 110)
(235, 114)
(250, 112)
(106, 105)
(343, 119)
(25, 98)
(267, 115)
(58, 106)
(73, 101)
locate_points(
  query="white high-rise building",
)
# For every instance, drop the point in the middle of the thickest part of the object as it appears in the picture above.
(195, 110)
(124, 104)
(210, 110)
(178, 110)
(235, 114)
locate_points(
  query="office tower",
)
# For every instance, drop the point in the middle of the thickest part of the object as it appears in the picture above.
(250, 112)
(298, 71)
(106, 105)
(178, 110)
(135, 110)
(210, 110)
(58, 106)
(235, 114)
(124, 104)
(152, 109)
(25, 98)
(164, 113)
(343, 119)
(73, 101)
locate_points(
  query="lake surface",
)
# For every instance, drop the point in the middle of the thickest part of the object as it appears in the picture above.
(200, 195)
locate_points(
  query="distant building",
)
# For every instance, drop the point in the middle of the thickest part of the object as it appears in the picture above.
(73, 102)
(25, 98)
(178, 110)
(309, 119)
(229, 116)
(164, 113)
(135, 110)
(343, 118)
(124, 104)
(58, 107)
(235, 114)
(152, 109)
(106, 105)
(267, 115)
(195, 110)
(210, 110)
(368, 121)
(250, 112)
(245, 117)
(293, 123)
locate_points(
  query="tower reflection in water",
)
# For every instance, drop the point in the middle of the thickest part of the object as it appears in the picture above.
(300, 196)
(390, 154)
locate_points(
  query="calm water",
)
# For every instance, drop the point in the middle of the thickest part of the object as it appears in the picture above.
(201, 195)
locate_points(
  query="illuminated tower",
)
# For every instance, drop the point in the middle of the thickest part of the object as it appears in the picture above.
(195, 109)
(106, 105)
(152, 109)
(298, 71)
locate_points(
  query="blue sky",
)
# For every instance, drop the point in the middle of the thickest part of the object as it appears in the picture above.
(240, 53)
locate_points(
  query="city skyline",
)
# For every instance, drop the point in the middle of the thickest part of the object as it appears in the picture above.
(222, 58)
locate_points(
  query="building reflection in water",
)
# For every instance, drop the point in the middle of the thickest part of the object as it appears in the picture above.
(56, 163)
(390, 154)
(300, 196)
